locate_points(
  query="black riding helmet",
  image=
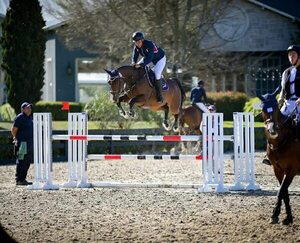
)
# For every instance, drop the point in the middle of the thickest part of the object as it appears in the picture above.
(200, 82)
(137, 36)
(295, 48)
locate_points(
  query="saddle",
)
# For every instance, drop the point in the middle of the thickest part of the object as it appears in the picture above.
(151, 79)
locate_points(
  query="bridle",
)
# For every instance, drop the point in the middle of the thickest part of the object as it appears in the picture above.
(123, 87)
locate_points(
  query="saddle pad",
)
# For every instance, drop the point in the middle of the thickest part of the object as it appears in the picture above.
(164, 85)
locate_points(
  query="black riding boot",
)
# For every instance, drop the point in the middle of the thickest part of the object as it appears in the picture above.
(158, 90)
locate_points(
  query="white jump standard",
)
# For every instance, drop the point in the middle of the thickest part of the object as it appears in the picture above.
(212, 157)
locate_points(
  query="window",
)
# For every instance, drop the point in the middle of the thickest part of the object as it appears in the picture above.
(91, 81)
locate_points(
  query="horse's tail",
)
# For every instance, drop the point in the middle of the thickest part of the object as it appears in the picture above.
(183, 96)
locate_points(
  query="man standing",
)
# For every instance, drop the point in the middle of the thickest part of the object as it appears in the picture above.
(22, 132)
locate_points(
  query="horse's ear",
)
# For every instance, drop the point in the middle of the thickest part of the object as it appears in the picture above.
(109, 72)
(260, 96)
(277, 90)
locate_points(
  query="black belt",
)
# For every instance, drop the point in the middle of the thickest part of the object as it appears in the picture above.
(293, 98)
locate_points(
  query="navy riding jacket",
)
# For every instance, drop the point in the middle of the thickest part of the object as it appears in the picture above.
(150, 52)
(198, 94)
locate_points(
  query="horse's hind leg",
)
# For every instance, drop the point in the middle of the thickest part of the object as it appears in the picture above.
(175, 124)
(165, 121)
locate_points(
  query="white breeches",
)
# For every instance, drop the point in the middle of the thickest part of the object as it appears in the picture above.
(159, 67)
(289, 107)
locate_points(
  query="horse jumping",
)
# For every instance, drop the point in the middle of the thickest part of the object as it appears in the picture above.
(130, 85)
(283, 152)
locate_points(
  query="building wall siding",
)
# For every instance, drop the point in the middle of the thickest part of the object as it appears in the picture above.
(266, 30)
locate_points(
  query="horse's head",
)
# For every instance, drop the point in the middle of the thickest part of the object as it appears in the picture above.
(116, 83)
(270, 113)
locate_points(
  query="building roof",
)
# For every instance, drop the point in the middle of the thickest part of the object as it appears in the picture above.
(51, 21)
(287, 8)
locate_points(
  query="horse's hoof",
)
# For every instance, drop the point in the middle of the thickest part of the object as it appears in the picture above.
(287, 221)
(274, 220)
(166, 126)
(124, 115)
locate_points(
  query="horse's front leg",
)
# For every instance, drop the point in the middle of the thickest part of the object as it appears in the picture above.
(139, 100)
(287, 180)
(276, 211)
(121, 110)
(283, 194)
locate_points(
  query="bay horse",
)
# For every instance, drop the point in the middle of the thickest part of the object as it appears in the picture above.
(130, 85)
(283, 151)
(191, 116)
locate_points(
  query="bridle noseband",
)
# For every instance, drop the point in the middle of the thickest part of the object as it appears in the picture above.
(121, 90)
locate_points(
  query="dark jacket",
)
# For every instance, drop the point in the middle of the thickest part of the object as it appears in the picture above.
(198, 94)
(24, 124)
(150, 51)
(287, 74)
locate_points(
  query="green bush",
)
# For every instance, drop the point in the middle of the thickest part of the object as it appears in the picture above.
(228, 102)
(7, 113)
(249, 108)
(55, 107)
(6, 146)
(102, 109)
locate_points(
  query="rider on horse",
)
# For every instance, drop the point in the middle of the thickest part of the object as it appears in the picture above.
(198, 95)
(151, 53)
(290, 83)
(290, 86)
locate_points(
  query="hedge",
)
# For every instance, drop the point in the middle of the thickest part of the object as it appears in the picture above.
(228, 102)
(56, 109)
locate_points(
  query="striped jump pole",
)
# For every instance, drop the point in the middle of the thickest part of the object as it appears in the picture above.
(42, 131)
(244, 164)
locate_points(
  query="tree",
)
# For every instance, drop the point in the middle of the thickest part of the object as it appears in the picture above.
(23, 47)
(105, 26)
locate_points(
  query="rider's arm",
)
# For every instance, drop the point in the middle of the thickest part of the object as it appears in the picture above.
(192, 95)
(149, 54)
(204, 96)
(135, 55)
(282, 92)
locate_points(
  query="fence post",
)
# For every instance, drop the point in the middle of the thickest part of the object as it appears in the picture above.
(42, 152)
(212, 152)
(244, 149)
(77, 151)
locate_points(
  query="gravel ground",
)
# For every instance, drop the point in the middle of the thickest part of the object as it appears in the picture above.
(141, 214)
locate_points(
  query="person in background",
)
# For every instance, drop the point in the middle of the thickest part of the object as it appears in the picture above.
(151, 53)
(22, 132)
(198, 95)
